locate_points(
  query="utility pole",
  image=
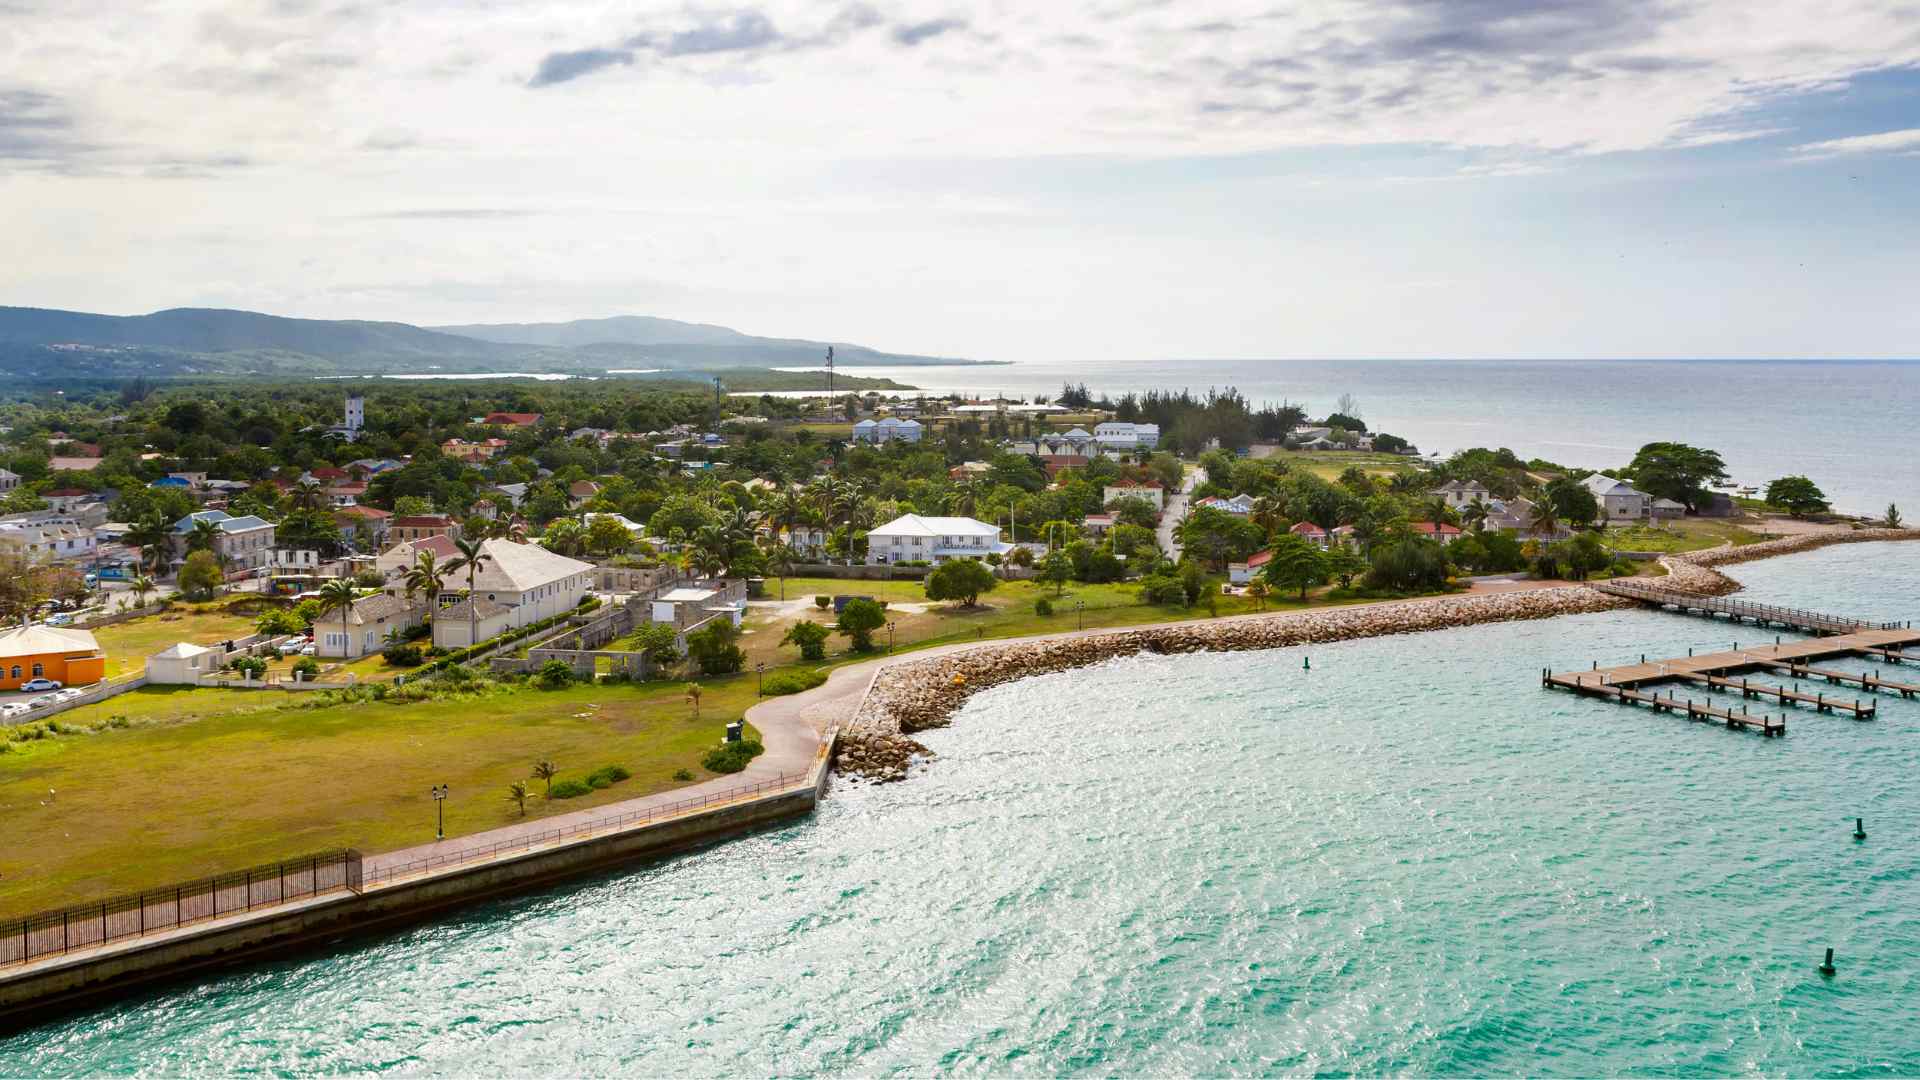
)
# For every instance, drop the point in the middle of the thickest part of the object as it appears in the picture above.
(829, 371)
(717, 388)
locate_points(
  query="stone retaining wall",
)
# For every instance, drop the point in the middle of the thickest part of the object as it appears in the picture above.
(918, 694)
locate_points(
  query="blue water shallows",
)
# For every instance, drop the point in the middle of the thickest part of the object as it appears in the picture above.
(1409, 859)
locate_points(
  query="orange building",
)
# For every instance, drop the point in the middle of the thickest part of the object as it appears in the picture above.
(65, 655)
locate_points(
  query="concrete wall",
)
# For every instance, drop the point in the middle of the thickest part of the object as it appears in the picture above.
(55, 985)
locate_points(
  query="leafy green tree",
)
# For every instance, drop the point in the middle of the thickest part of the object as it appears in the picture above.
(960, 579)
(858, 620)
(1893, 516)
(658, 643)
(1572, 501)
(1584, 555)
(1410, 564)
(713, 648)
(554, 675)
(1133, 510)
(1297, 563)
(200, 576)
(605, 536)
(809, 637)
(1671, 470)
(1055, 569)
(1344, 564)
(1797, 494)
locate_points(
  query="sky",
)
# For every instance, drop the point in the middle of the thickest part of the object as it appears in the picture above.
(1039, 181)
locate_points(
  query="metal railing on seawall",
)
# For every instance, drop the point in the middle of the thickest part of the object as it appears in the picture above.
(51, 933)
(378, 875)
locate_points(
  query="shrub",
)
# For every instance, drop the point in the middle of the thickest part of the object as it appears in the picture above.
(960, 579)
(402, 655)
(554, 675)
(306, 665)
(1043, 607)
(1162, 589)
(823, 601)
(608, 774)
(251, 666)
(714, 650)
(810, 637)
(682, 774)
(859, 619)
(792, 682)
(570, 789)
(732, 757)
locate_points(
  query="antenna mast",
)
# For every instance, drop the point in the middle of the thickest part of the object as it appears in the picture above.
(829, 371)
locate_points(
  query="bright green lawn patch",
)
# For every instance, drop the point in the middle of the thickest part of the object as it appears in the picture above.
(1329, 464)
(128, 644)
(154, 803)
(1690, 534)
(806, 588)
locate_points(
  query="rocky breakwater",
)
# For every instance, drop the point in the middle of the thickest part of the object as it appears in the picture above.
(1693, 571)
(914, 695)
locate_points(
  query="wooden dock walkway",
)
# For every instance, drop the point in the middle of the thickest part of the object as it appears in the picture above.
(1629, 683)
(1787, 618)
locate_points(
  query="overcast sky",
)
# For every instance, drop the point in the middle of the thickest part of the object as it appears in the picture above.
(1003, 181)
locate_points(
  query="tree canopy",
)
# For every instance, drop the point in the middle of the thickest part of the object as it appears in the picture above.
(1671, 470)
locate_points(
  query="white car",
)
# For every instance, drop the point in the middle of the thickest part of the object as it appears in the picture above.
(14, 708)
(308, 650)
(37, 683)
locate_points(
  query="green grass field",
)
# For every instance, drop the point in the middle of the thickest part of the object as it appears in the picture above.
(1687, 534)
(1329, 464)
(128, 644)
(208, 780)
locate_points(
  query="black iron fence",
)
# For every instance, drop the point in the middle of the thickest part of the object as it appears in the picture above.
(155, 910)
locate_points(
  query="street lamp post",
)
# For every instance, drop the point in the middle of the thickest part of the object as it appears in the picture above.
(440, 811)
(1080, 612)
(760, 679)
(889, 637)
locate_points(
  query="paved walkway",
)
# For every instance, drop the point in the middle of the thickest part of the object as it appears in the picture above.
(1175, 511)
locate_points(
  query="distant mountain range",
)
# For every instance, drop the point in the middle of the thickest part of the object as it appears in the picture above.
(40, 342)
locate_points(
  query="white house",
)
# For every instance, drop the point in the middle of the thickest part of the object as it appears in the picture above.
(529, 582)
(364, 628)
(1238, 506)
(49, 540)
(1460, 494)
(1619, 500)
(183, 664)
(1151, 491)
(245, 542)
(1241, 573)
(892, 429)
(910, 538)
(1120, 435)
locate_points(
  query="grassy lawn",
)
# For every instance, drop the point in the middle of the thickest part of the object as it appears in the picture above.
(1687, 534)
(806, 588)
(128, 644)
(1329, 464)
(250, 780)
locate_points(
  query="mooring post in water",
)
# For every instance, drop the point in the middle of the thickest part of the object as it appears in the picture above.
(1826, 966)
(1859, 828)
(1306, 663)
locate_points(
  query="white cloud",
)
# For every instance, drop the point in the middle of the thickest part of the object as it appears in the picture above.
(1905, 141)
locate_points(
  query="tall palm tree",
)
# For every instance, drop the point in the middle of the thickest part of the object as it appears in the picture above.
(338, 594)
(517, 794)
(425, 577)
(1545, 523)
(780, 559)
(472, 558)
(203, 536)
(711, 550)
(1268, 513)
(142, 585)
(966, 495)
(154, 537)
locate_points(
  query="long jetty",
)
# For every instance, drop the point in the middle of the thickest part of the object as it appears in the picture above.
(1730, 672)
(1786, 618)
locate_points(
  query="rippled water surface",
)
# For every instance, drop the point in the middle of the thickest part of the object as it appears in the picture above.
(1409, 859)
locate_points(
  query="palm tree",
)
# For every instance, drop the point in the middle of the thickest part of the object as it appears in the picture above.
(780, 559)
(693, 698)
(1269, 514)
(517, 794)
(966, 495)
(203, 536)
(1474, 515)
(546, 770)
(307, 495)
(142, 585)
(473, 558)
(1257, 592)
(425, 577)
(1544, 524)
(711, 550)
(338, 594)
(154, 537)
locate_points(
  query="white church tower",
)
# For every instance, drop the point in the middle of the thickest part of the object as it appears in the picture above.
(356, 415)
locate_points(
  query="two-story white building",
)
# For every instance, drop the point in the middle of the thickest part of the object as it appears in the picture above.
(1120, 435)
(1619, 500)
(245, 542)
(912, 538)
(1150, 491)
(1460, 494)
(517, 584)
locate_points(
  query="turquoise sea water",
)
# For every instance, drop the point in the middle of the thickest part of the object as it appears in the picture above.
(1410, 859)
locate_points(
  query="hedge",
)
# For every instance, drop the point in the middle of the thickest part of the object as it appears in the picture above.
(460, 656)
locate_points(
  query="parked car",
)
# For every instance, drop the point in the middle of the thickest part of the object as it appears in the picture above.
(308, 649)
(14, 708)
(38, 684)
(62, 619)
(68, 694)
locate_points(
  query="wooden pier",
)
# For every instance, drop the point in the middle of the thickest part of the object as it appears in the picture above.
(1629, 683)
(1786, 618)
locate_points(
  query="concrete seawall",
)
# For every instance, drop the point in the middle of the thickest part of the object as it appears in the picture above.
(61, 983)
